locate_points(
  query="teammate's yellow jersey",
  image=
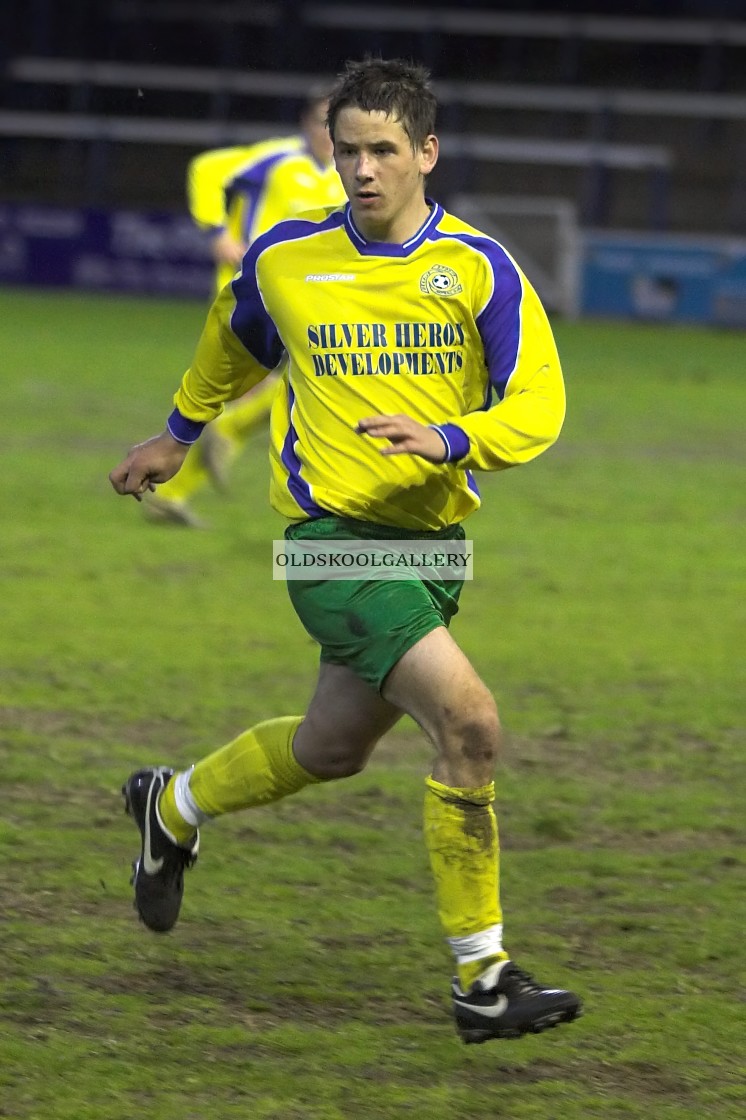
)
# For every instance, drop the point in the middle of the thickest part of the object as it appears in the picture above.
(444, 328)
(247, 190)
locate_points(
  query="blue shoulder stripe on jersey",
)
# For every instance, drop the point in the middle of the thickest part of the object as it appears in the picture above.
(297, 486)
(255, 173)
(249, 320)
(249, 183)
(385, 248)
(499, 322)
(251, 199)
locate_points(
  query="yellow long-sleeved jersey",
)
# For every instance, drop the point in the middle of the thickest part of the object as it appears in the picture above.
(444, 328)
(246, 190)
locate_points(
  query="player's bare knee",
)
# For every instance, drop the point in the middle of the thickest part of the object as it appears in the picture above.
(338, 764)
(329, 756)
(472, 736)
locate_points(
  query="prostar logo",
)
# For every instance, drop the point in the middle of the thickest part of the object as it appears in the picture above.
(329, 277)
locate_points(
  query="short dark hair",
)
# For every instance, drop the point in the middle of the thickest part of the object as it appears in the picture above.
(393, 86)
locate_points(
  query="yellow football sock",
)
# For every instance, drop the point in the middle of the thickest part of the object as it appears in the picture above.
(191, 477)
(256, 768)
(239, 419)
(462, 842)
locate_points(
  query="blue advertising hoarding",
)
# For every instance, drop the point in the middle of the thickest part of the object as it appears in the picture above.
(664, 278)
(99, 250)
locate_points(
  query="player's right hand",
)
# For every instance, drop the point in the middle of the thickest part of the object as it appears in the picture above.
(227, 250)
(155, 460)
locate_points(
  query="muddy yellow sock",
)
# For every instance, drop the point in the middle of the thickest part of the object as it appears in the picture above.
(255, 769)
(462, 842)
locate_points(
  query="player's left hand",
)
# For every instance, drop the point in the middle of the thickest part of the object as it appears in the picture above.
(406, 436)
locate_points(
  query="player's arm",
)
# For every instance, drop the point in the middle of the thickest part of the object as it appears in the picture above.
(155, 460)
(526, 377)
(405, 437)
(224, 367)
(208, 178)
(227, 249)
(238, 348)
(525, 374)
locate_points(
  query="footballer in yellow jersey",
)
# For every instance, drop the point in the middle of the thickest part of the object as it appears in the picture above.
(444, 327)
(414, 353)
(235, 194)
(244, 191)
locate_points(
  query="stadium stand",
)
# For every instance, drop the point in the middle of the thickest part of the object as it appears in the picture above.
(639, 122)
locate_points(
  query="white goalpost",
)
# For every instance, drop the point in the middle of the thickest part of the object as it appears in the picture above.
(541, 233)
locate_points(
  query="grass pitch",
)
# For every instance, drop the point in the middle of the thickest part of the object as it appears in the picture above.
(307, 979)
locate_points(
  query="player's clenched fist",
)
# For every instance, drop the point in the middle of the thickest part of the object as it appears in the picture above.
(406, 437)
(155, 460)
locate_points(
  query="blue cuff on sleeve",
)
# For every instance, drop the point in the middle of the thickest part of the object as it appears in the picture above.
(183, 430)
(455, 439)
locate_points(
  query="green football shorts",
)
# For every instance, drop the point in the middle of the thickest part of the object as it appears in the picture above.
(368, 625)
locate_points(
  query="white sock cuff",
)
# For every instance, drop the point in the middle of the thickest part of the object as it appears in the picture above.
(185, 803)
(475, 946)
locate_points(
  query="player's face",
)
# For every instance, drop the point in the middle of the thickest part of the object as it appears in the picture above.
(382, 176)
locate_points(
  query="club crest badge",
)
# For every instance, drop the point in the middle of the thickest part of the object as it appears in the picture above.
(440, 281)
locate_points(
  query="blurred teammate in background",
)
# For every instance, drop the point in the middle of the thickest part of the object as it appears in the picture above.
(234, 194)
(417, 351)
